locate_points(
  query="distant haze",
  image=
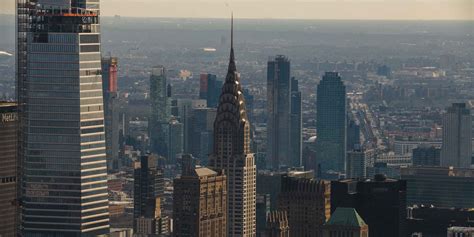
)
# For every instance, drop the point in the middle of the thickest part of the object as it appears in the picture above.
(296, 9)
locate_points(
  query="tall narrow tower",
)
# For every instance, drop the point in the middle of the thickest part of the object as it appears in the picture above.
(232, 153)
(61, 119)
(456, 149)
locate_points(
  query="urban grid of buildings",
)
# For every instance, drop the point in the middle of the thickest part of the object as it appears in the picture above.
(82, 157)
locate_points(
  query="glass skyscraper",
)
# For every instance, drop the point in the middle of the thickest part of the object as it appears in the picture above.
(284, 115)
(331, 124)
(160, 115)
(61, 119)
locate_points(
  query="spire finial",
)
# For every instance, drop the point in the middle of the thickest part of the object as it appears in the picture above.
(232, 30)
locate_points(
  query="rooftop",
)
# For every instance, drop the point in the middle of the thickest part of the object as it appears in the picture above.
(344, 216)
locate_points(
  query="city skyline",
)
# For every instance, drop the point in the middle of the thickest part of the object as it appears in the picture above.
(294, 9)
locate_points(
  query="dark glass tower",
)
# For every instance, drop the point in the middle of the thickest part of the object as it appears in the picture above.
(284, 115)
(331, 124)
(61, 119)
(232, 154)
(159, 123)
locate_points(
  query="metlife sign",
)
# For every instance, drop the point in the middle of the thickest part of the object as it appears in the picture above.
(9, 117)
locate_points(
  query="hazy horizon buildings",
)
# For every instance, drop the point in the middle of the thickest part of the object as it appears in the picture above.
(284, 115)
(232, 154)
(331, 123)
(457, 132)
(61, 119)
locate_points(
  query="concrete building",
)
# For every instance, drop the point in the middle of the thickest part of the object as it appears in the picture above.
(8, 169)
(111, 111)
(199, 201)
(426, 156)
(439, 186)
(381, 203)
(277, 225)
(232, 154)
(269, 182)
(457, 125)
(356, 164)
(284, 115)
(307, 203)
(345, 222)
(61, 119)
(331, 124)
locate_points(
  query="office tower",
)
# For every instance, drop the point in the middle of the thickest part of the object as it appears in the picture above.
(331, 123)
(263, 209)
(381, 202)
(425, 155)
(183, 111)
(61, 119)
(345, 222)
(111, 111)
(307, 203)
(209, 89)
(199, 201)
(269, 182)
(439, 186)
(277, 225)
(232, 154)
(284, 115)
(8, 168)
(296, 126)
(200, 132)
(158, 125)
(176, 140)
(148, 194)
(353, 134)
(356, 164)
(457, 125)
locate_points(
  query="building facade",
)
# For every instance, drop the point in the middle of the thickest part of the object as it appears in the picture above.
(8, 169)
(307, 203)
(345, 222)
(148, 196)
(439, 186)
(61, 119)
(356, 164)
(284, 115)
(210, 89)
(381, 202)
(426, 156)
(160, 111)
(331, 123)
(457, 125)
(111, 111)
(199, 201)
(277, 225)
(232, 154)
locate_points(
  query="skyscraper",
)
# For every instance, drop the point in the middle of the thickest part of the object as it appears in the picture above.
(232, 154)
(284, 115)
(307, 203)
(277, 225)
(331, 123)
(111, 111)
(160, 114)
(456, 148)
(381, 202)
(148, 194)
(209, 89)
(8, 168)
(61, 119)
(356, 164)
(199, 201)
(175, 143)
(426, 155)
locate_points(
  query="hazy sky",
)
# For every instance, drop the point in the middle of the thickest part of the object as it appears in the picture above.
(299, 9)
